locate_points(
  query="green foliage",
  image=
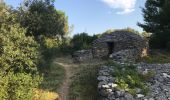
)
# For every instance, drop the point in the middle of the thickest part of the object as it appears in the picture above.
(41, 18)
(18, 59)
(128, 29)
(82, 41)
(156, 16)
(18, 52)
(128, 78)
(18, 86)
(150, 74)
(84, 84)
(53, 77)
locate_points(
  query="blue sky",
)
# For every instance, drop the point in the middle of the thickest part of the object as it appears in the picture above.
(97, 16)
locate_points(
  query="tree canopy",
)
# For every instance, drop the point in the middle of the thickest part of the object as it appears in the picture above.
(157, 21)
(41, 18)
(82, 41)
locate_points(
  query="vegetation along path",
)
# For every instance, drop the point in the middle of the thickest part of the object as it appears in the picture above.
(64, 89)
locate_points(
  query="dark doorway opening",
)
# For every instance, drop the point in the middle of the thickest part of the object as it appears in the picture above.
(110, 47)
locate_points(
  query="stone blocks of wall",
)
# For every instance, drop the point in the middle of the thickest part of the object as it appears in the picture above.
(82, 55)
(125, 55)
(159, 84)
(108, 89)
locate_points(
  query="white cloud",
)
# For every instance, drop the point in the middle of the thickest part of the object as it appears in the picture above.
(127, 6)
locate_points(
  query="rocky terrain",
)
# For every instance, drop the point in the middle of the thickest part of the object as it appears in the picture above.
(159, 85)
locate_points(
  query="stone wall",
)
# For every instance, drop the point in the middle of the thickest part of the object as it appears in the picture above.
(82, 55)
(125, 55)
(159, 85)
(108, 89)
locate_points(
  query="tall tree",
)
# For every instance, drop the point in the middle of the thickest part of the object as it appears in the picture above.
(157, 21)
(41, 18)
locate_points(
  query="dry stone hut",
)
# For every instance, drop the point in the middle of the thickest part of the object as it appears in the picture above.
(120, 43)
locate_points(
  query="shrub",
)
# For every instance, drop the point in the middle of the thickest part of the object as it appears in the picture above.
(18, 52)
(82, 41)
(18, 86)
(3, 86)
(19, 57)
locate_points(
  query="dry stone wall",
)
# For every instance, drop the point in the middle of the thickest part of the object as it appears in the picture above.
(159, 85)
(82, 55)
(108, 89)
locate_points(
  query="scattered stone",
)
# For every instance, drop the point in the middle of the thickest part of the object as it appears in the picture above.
(138, 90)
(165, 75)
(129, 97)
(140, 95)
(105, 86)
(151, 99)
(102, 78)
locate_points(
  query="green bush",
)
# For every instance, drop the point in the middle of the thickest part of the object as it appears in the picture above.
(82, 41)
(18, 86)
(18, 52)
(4, 86)
(19, 57)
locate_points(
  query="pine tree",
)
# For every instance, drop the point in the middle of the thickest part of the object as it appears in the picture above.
(157, 21)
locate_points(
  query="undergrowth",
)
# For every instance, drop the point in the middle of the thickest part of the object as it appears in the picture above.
(84, 82)
(53, 77)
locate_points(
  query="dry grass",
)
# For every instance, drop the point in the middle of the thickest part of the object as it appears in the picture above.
(45, 95)
(52, 80)
(84, 81)
(157, 56)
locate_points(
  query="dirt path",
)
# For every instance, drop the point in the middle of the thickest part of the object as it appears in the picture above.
(64, 90)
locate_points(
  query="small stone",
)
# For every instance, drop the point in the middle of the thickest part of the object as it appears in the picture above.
(102, 78)
(138, 90)
(113, 85)
(109, 90)
(103, 93)
(105, 86)
(145, 71)
(151, 99)
(101, 83)
(128, 96)
(140, 95)
(119, 93)
(165, 75)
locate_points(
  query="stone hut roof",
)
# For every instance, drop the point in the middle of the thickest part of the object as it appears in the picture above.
(119, 36)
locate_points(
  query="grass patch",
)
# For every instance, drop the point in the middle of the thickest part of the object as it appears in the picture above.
(157, 56)
(128, 78)
(45, 95)
(53, 77)
(84, 82)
